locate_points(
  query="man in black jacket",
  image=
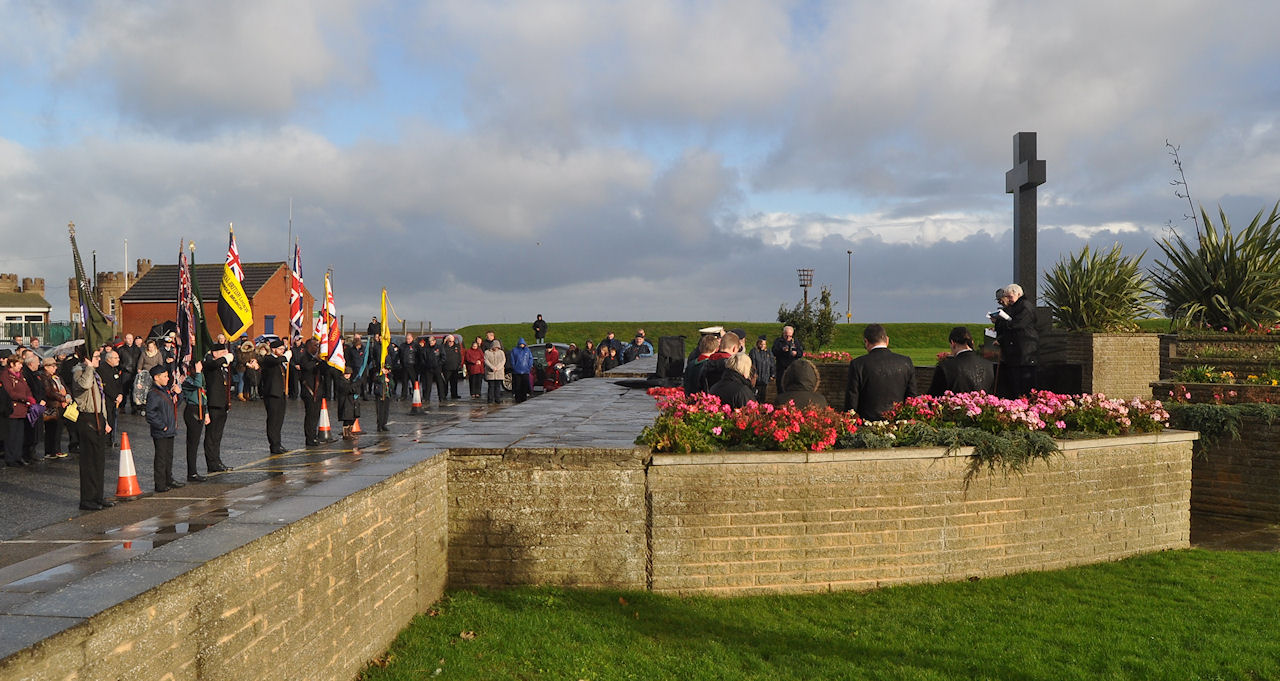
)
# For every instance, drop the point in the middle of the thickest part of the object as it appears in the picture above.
(965, 370)
(1019, 341)
(428, 359)
(408, 366)
(218, 394)
(879, 378)
(786, 349)
(273, 389)
(451, 365)
(307, 365)
(539, 331)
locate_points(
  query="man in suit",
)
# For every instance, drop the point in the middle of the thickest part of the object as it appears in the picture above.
(879, 378)
(218, 394)
(274, 386)
(965, 370)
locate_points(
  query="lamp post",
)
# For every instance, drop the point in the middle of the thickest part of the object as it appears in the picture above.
(848, 296)
(806, 280)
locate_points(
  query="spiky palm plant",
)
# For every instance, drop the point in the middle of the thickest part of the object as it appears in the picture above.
(1226, 280)
(1099, 292)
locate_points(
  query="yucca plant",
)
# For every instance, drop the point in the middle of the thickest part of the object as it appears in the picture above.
(1099, 292)
(1226, 281)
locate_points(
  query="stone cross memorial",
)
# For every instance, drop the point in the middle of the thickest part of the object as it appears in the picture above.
(1027, 174)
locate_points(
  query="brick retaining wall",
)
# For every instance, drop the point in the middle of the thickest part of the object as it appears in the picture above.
(1240, 478)
(856, 520)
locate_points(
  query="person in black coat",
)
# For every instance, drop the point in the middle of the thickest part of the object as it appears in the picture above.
(307, 366)
(800, 387)
(786, 349)
(273, 389)
(1019, 341)
(162, 417)
(734, 387)
(878, 379)
(408, 366)
(217, 365)
(965, 370)
(451, 365)
(429, 374)
(540, 331)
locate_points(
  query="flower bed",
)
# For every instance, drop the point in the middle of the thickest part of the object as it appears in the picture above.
(1216, 393)
(1004, 433)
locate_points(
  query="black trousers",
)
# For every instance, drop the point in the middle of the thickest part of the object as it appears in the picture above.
(213, 437)
(13, 440)
(163, 462)
(495, 391)
(761, 388)
(1014, 381)
(520, 386)
(406, 386)
(476, 382)
(195, 426)
(275, 421)
(383, 407)
(451, 378)
(311, 418)
(93, 456)
(53, 436)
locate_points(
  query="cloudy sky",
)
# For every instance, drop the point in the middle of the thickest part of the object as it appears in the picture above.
(653, 159)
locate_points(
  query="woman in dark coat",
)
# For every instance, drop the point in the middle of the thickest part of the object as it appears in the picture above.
(800, 386)
(587, 360)
(734, 387)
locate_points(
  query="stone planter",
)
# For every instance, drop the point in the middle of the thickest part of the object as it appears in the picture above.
(1120, 365)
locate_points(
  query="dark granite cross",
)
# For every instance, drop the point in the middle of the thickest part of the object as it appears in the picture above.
(1027, 174)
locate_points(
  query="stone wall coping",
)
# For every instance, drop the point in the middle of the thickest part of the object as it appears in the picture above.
(903, 453)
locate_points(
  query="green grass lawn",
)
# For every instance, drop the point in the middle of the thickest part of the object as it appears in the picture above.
(920, 341)
(1174, 615)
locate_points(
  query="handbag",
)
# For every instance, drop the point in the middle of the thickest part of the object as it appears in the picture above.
(71, 413)
(35, 412)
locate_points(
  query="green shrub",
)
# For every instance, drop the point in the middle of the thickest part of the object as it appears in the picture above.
(1226, 281)
(1100, 292)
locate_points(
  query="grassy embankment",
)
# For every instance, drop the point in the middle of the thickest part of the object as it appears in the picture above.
(1172, 615)
(920, 341)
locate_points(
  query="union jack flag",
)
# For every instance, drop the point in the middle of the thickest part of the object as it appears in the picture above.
(233, 259)
(295, 295)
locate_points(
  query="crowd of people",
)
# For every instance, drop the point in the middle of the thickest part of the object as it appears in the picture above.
(79, 392)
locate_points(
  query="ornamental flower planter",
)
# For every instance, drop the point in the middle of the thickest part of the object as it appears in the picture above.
(1215, 393)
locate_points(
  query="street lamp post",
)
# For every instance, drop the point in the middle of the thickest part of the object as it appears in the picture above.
(806, 280)
(848, 296)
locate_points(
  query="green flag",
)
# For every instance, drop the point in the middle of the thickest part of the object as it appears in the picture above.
(97, 330)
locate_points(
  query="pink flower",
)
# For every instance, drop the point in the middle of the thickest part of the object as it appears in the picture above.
(1060, 425)
(716, 431)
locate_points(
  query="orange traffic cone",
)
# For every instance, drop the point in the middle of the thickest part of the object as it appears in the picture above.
(417, 398)
(127, 486)
(355, 427)
(324, 419)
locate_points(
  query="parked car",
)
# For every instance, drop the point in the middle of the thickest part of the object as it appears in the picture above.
(538, 377)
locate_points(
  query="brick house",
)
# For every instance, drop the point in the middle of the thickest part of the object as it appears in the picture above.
(153, 298)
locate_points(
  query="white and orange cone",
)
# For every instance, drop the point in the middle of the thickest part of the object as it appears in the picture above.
(417, 398)
(324, 419)
(355, 427)
(127, 486)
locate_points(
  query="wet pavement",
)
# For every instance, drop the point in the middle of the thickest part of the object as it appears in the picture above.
(60, 563)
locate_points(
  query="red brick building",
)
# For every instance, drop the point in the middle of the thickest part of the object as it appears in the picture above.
(153, 298)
